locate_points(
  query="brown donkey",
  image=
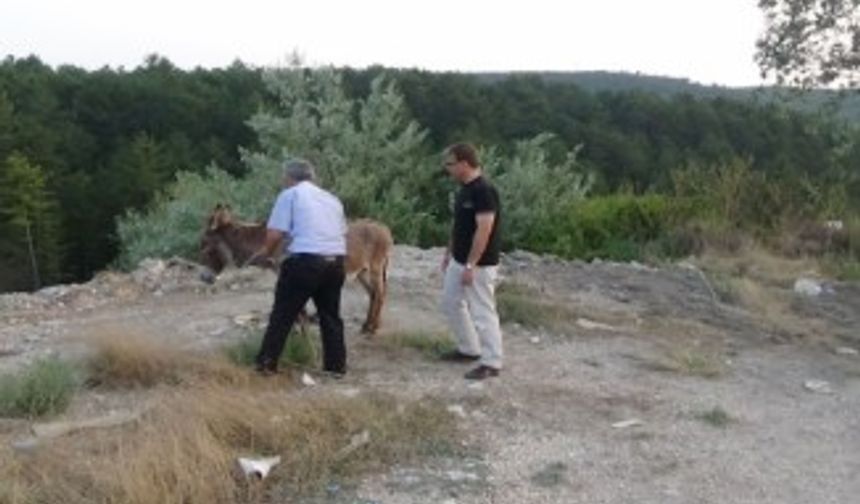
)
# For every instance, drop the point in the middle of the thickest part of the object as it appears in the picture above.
(226, 242)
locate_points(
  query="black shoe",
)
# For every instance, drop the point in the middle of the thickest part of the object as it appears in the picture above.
(458, 356)
(481, 372)
(336, 374)
(266, 368)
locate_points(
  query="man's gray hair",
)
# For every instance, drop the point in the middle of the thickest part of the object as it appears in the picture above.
(299, 170)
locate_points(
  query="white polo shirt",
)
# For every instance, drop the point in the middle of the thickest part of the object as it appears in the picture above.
(312, 217)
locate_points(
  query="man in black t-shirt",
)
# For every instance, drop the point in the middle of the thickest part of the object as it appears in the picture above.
(471, 264)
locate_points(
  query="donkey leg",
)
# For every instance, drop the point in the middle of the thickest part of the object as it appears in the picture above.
(364, 279)
(377, 299)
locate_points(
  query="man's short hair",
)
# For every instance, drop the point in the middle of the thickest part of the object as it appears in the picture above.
(465, 152)
(299, 170)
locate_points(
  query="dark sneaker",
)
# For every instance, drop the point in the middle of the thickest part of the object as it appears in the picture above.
(336, 374)
(458, 356)
(267, 368)
(481, 372)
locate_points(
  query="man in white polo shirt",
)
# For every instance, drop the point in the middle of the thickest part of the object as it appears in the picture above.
(314, 221)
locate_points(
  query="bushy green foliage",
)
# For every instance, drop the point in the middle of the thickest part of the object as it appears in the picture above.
(736, 194)
(534, 189)
(612, 227)
(45, 387)
(369, 152)
(173, 224)
(108, 141)
(847, 266)
(366, 151)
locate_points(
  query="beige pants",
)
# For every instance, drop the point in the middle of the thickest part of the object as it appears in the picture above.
(471, 312)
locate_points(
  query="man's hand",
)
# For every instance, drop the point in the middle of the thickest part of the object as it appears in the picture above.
(468, 276)
(251, 260)
(260, 261)
(446, 259)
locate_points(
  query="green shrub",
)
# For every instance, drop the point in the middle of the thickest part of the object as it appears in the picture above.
(300, 350)
(615, 227)
(715, 417)
(44, 388)
(521, 304)
(430, 344)
(533, 187)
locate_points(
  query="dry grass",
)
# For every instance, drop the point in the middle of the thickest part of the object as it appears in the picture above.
(690, 362)
(763, 284)
(127, 359)
(760, 266)
(845, 269)
(185, 449)
(526, 306)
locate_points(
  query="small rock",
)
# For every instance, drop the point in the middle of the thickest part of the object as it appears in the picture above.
(349, 392)
(836, 225)
(633, 422)
(9, 351)
(846, 351)
(591, 325)
(355, 442)
(457, 410)
(258, 467)
(307, 380)
(535, 339)
(475, 386)
(51, 430)
(820, 386)
(26, 445)
(246, 319)
(807, 287)
(457, 476)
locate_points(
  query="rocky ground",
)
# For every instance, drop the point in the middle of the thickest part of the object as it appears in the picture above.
(643, 386)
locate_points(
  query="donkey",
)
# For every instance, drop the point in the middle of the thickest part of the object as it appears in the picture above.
(226, 242)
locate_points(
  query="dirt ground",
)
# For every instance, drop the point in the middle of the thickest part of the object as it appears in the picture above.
(648, 388)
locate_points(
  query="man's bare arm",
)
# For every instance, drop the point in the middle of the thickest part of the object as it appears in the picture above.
(484, 222)
(270, 243)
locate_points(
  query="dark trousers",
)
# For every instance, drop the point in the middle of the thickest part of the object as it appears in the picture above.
(304, 277)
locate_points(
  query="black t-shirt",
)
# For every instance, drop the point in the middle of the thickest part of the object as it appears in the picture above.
(476, 197)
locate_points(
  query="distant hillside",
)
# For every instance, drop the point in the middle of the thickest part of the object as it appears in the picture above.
(846, 106)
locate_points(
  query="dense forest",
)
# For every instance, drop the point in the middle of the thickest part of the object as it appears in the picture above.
(78, 149)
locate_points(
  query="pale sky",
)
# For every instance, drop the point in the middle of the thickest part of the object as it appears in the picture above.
(708, 41)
